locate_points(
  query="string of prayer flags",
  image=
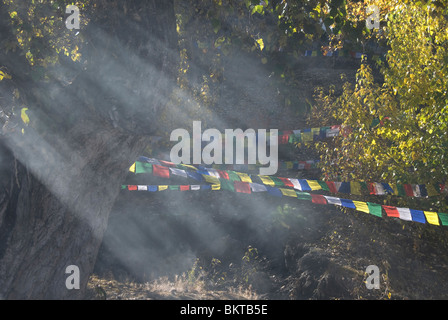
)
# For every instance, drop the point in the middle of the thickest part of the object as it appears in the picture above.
(165, 169)
(407, 214)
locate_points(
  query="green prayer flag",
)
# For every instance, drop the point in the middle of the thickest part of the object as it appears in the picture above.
(277, 181)
(143, 167)
(443, 218)
(227, 185)
(401, 191)
(174, 187)
(375, 209)
(303, 195)
(233, 176)
(323, 185)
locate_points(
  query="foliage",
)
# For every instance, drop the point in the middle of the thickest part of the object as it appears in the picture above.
(409, 142)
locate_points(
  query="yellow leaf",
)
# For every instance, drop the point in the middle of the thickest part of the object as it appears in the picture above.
(24, 116)
(260, 43)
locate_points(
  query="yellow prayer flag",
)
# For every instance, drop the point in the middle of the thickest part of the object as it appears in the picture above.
(216, 186)
(268, 181)
(132, 168)
(307, 137)
(431, 190)
(361, 206)
(432, 217)
(355, 188)
(288, 192)
(161, 188)
(189, 166)
(395, 188)
(314, 185)
(244, 177)
(211, 179)
(289, 165)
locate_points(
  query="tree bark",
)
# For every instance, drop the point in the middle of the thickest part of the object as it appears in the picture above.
(59, 178)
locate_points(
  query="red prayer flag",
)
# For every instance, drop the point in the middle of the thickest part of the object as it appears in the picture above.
(371, 187)
(286, 182)
(331, 186)
(318, 198)
(160, 171)
(184, 187)
(132, 188)
(408, 190)
(241, 186)
(391, 211)
(223, 174)
(167, 163)
(283, 139)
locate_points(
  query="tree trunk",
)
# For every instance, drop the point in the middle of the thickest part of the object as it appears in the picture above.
(59, 178)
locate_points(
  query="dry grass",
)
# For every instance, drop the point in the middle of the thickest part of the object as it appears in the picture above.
(180, 288)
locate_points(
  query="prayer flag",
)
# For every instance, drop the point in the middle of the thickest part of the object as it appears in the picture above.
(286, 182)
(374, 209)
(391, 211)
(210, 179)
(267, 180)
(162, 187)
(361, 206)
(323, 185)
(244, 177)
(416, 190)
(404, 214)
(184, 187)
(195, 175)
(432, 217)
(345, 187)
(143, 167)
(387, 188)
(303, 195)
(319, 199)
(223, 174)
(216, 187)
(233, 176)
(348, 203)
(274, 191)
(296, 184)
(355, 188)
(418, 216)
(179, 172)
(256, 187)
(152, 188)
(161, 171)
(333, 200)
(142, 188)
(277, 181)
(132, 168)
(227, 185)
(132, 187)
(443, 218)
(304, 185)
(288, 192)
(423, 191)
(431, 190)
(331, 186)
(242, 187)
(195, 187)
(408, 190)
(314, 185)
